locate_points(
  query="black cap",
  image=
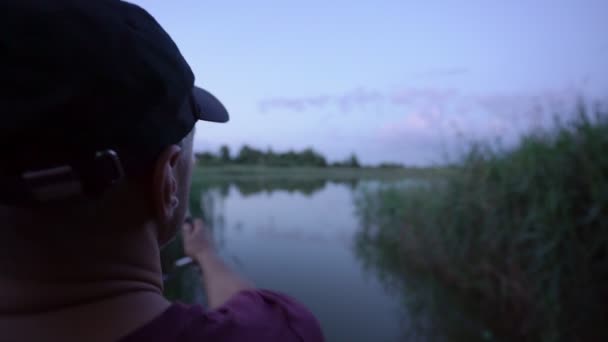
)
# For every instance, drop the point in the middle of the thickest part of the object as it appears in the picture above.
(91, 91)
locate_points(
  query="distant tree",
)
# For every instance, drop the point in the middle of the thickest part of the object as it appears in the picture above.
(310, 157)
(244, 155)
(206, 158)
(270, 158)
(353, 161)
(225, 154)
(289, 158)
(249, 155)
(391, 166)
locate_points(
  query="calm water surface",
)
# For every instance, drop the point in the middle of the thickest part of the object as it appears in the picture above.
(298, 240)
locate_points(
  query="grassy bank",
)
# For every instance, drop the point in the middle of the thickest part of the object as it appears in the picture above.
(252, 179)
(519, 237)
(328, 173)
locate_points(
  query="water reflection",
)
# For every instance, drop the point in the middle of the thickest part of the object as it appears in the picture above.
(252, 186)
(308, 239)
(295, 237)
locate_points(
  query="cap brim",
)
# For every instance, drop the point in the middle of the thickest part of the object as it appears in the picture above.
(209, 107)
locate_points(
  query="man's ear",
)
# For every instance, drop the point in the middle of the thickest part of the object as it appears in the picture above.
(164, 183)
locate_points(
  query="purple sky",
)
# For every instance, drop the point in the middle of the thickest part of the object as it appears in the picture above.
(399, 80)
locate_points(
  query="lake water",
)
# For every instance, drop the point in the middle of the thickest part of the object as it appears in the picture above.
(297, 239)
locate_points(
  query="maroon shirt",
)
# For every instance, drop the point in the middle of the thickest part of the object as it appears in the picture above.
(251, 315)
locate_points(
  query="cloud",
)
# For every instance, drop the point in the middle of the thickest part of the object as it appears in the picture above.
(450, 121)
(413, 127)
(440, 72)
(361, 99)
(420, 124)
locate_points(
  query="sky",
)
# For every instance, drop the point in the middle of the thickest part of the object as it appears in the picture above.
(392, 81)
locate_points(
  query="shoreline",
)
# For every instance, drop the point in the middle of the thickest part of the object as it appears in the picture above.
(242, 172)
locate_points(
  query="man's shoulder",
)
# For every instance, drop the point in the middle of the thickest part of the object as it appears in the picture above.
(248, 315)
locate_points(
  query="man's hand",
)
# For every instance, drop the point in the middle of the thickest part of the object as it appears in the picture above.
(197, 239)
(219, 280)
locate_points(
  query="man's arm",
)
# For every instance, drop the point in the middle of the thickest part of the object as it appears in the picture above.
(264, 314)
(220, 282)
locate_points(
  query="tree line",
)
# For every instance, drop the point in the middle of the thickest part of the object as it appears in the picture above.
(248, 155)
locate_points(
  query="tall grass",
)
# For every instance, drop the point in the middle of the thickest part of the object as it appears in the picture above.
(521, 235)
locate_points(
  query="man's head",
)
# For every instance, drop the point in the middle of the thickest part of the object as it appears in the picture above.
(98, 109)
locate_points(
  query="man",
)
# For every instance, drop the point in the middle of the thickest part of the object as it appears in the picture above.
(98, 109)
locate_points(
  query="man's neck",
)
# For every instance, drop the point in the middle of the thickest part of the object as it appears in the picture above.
(101, 299)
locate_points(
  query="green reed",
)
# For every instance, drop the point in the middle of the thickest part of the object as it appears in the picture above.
(520, 234)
